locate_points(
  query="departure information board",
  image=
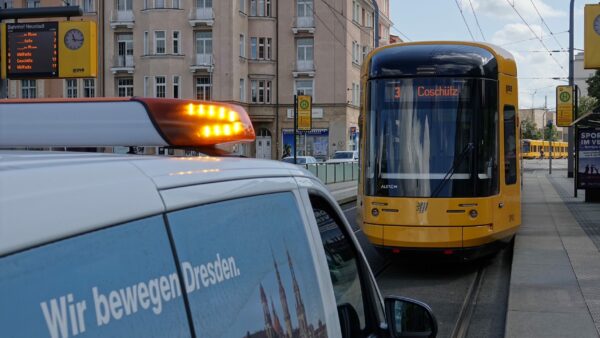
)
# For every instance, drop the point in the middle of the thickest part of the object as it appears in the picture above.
(32, 50)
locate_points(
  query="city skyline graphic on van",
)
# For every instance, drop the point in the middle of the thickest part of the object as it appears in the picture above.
(275, 292)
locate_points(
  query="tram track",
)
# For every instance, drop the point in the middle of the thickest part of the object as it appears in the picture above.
(467, 309)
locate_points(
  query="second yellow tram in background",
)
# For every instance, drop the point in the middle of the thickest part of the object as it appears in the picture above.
(440, 148)
(532, 149)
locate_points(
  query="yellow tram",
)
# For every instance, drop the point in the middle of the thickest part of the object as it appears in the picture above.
(535, 148)
(439, 155)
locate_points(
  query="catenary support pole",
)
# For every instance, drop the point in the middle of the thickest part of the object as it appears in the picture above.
(570, 159)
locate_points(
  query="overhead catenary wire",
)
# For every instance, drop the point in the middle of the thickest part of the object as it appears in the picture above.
(545, 24)
(476, 20)
(525, 40)
(464, 19)
(534, 34)
(350, 53)
(399, 32)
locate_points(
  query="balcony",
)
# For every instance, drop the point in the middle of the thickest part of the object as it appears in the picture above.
(304, 68)
(122, 19)
(304, 24)
(202, 62)
(123, 64)
(201, 17)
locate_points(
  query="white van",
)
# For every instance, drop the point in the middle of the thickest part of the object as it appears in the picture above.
(108, 245)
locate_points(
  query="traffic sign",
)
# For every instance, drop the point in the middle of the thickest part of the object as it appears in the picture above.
(564, 106)
(304, 112)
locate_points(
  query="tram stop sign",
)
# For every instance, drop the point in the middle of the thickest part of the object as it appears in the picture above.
(564, 106)
(304, 112)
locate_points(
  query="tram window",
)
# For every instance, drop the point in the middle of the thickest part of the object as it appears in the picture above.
(510, 148)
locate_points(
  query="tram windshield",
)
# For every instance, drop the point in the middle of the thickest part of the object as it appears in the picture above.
(526, 146)
(432, 137)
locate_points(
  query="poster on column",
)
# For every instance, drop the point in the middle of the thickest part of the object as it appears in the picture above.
(588, 173)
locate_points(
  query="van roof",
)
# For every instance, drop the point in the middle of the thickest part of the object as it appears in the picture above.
(50, 195)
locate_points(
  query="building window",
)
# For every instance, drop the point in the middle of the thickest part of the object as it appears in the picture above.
(160, 86)
(88, 6)
(355, 52)
(242, 46)
(33, 3)
(242, 90)
(203, 4)
(304, 8)
(159, 3)
(304, 87)
(125, 86)
(160, 42)
(175, 4)
(253, 48)
(146, 48)
(261, 91)
(365, 51)
(305, 54)
(243, 6)
(176, 42)
(124, 5)
(89, 88)
(204, 48)
(71, 85)
(203, 87)
(28, 89)
(175, 86)
(261, 48)
(260, 7)
(355, 11)
(124, 50)
(7, 4)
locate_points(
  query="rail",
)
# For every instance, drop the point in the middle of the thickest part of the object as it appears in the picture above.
(330, 173)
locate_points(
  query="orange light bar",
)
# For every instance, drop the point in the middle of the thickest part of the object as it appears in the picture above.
(199, 123)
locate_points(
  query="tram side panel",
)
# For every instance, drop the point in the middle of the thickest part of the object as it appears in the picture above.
(507, 207)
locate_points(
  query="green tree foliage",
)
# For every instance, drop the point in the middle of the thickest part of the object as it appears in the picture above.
(550, 133)
(530, 130)
(586, 105)
(594, 85)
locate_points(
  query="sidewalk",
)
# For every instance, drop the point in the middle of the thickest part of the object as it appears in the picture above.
(555, 279)
(344, 192)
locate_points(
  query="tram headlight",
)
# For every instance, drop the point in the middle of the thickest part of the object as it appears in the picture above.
(473, 213)
(375, 212)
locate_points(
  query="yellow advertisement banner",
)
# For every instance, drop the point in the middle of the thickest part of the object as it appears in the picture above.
(304, 112)
(564, 106)
(591, 57)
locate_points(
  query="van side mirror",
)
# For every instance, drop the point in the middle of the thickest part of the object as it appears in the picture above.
(349, 321)
(409, 318)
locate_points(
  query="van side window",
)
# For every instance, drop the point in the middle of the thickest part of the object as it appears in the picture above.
(510, 145)
(115, 282)
(344, 265)
(250, 259)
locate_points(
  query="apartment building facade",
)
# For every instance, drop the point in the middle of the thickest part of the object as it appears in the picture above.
(255, 53)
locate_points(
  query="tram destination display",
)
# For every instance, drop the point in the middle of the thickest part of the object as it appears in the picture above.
(32, 50)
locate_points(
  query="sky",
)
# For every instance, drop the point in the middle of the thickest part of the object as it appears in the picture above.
(500, 24)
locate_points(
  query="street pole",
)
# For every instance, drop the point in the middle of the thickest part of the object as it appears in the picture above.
(376, 24)
(571, 147)
(295, 128)
(550, 140)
